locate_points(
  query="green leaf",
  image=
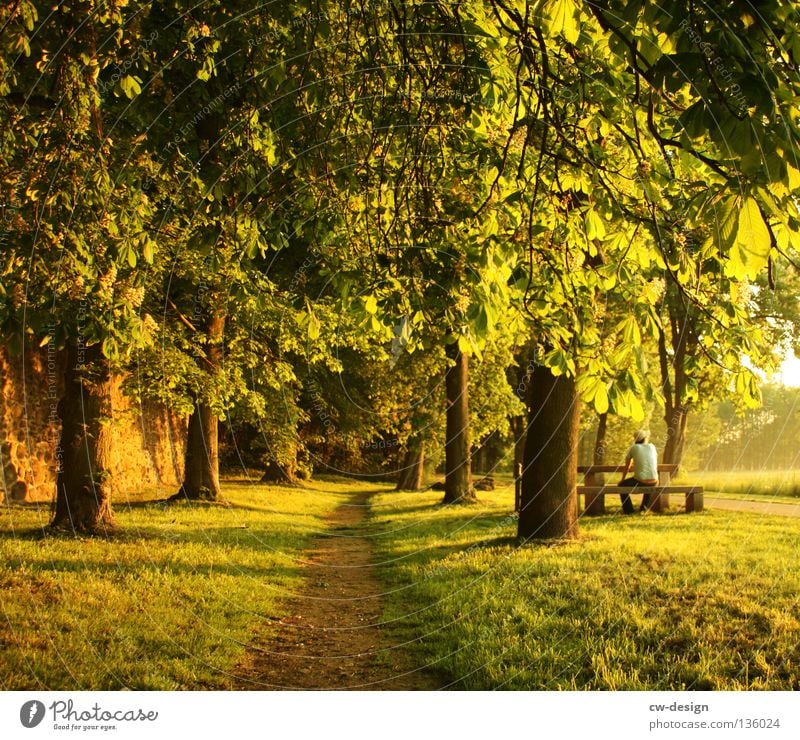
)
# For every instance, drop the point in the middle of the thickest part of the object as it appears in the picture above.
(727, 221)
(595, 226)
(147, 252)
(637, 409)
(313, 327)
(601, 399)
(252, 248)
(732, 134)
(371, 304)
(559, 16)
(109, 348)
(631, 334)
(693, 120)
(558, 362)
(130, 85)
(750, 252)
(481, 322)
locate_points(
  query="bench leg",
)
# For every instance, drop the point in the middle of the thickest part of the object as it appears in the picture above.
(594, 504)
(694, 502)
(659, 502)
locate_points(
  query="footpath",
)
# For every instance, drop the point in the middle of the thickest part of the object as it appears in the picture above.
(334, 638)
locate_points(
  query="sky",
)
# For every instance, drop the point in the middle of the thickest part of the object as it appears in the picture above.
(789, 372)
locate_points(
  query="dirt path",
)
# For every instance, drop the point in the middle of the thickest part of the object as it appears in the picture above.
(334, 640)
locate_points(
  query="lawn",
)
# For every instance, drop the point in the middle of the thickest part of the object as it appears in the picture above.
(648, 602)
(167, 603)
(700, 601)
(778, 485)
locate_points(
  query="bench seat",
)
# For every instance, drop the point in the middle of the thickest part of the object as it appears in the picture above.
(595, 496)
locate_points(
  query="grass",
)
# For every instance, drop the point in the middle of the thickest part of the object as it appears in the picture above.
(778, 485)
(701, 601)
(652, 602)
(167, 603)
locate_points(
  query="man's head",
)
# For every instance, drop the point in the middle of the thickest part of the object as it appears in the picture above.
(640, 436)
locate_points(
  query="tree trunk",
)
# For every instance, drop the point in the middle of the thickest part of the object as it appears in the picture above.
(493, 451)
(599, 454)
(593, 504)
(458, 471)
(411, 474)
(83, 483)
(276, 473)
(675, 412)
(518, 427)
(201, 472)
(479, 458)
(684, 348)
(549, 506)
(676, 419)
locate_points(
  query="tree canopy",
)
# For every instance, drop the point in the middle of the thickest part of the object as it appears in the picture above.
(245, 210)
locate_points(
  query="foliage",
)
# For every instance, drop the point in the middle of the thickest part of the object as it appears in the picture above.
(600, 178)
(77, 224)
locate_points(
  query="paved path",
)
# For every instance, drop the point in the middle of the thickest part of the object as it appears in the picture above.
(756, 507)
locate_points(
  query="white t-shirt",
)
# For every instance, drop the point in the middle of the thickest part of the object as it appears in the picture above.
(645, 461)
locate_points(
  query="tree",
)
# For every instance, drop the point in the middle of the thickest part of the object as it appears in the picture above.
(551, 440)
(79, 245)
(222, 307)
(619, 100)
(411, 223)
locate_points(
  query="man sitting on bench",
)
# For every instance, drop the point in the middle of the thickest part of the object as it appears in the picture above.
(645, 469)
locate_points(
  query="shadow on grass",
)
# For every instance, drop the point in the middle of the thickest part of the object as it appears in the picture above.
(257, 540)
(468, 509)
(270, 576)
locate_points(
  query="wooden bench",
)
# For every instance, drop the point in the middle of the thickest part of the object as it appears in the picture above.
(594, 494)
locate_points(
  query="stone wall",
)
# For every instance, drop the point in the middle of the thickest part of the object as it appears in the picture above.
(148, 440)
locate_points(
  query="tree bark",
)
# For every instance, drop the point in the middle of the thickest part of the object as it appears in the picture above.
(675, 413)
(684, 347)
(479, 459)
(492, 452)
(676, 418)
(549, 506)
(411, 474)
(84, 454)
(201, 471)
(458, 470)
(599, 454)
(518, 427)
(595, 505)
